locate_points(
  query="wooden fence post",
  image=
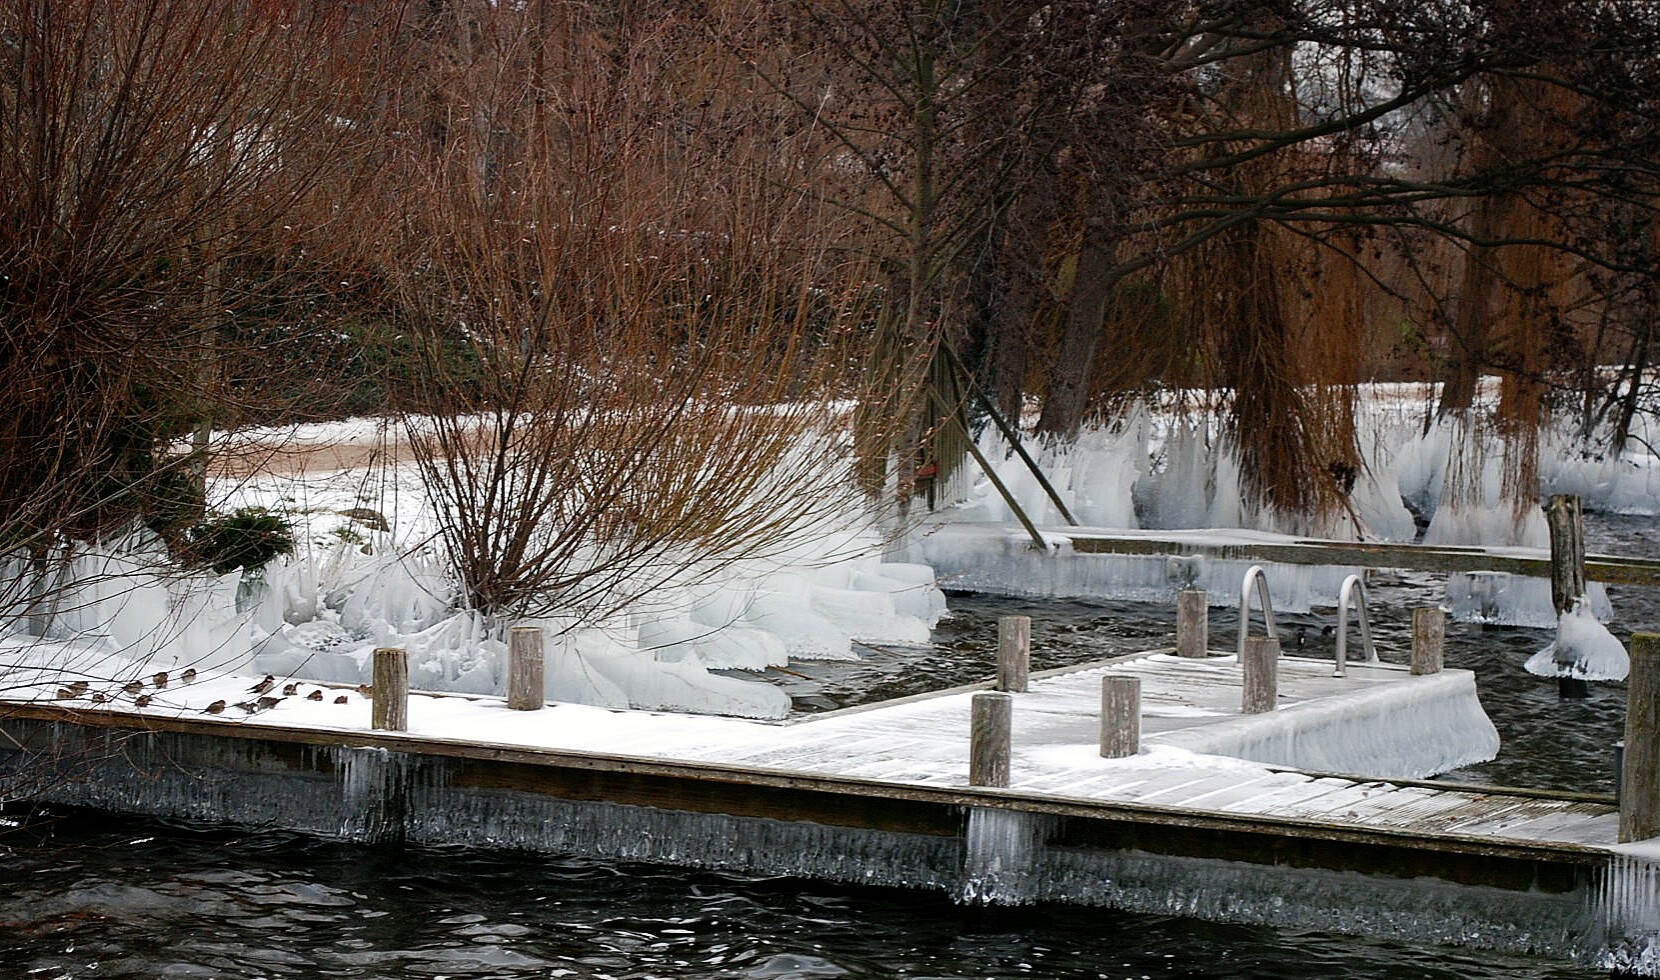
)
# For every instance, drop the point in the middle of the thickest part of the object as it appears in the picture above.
(1567, 571)
(1567, 550)
(1640, 767)
(525, 690)
(1120, 716)
(989, 738)
(390, 709)
(1261, 668)
(1429, 634)
(1014, 652)
(1193, 623)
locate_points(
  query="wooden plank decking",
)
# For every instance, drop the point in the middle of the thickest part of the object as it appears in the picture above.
(916, 750)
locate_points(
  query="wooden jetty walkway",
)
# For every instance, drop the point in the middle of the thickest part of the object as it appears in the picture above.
(1288, 550)
(881, 795)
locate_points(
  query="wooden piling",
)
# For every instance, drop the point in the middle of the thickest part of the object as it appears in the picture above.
(390, 710)
(525, 691)
(1261, 668)
(1429, 635)
(1564, 517)
(1120, 716)
(1014, 652)
(1640, 767)
(989, 739)
(1193, 623)
(1567, 550)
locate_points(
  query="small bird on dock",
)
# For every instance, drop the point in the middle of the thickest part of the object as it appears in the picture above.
(98, 697)
(247, 706)
(264, 685)
(189, 675)
(133, 687)
(340, 700)
(215, 708)
(160, 680)
(289, 690)
(316, 695)
(79, 687)
(65, 694)
(142, 701)
(267, 703)
(367, 690)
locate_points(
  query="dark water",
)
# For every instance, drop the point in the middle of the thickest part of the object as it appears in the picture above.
(89, 896)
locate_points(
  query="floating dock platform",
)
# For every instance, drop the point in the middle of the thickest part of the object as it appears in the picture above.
(1219, 816)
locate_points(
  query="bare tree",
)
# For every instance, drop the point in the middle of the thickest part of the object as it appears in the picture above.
(159, 162)
(640, 339)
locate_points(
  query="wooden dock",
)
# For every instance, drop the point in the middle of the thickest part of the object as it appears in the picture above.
(880, 795)
(1311, 551)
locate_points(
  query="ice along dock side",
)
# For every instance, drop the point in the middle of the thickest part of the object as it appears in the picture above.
(880, 796)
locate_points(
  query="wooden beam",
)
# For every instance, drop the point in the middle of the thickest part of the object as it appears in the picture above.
(1419, 557)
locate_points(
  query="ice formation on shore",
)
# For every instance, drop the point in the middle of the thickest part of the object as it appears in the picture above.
(1434, 479)
(368, 573)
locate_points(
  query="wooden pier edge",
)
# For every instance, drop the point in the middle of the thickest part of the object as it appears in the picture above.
(1418, 557)
(522, 766)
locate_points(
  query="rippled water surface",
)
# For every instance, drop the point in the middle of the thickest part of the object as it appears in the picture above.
(90, 896)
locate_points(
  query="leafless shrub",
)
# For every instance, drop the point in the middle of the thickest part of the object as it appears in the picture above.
(641, 342)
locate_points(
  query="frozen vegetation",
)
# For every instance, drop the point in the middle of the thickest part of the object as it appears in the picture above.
(369, 572)
(1427, 479)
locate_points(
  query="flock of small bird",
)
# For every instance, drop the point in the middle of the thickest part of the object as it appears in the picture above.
(262, 700)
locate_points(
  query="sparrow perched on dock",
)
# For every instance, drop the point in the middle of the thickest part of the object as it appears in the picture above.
(133, 687)
(264, 685)
(79, 687)
(247, 706)
(367, 690)
(160, 680)
(65, 694)
(267, 703)
(340, 700)
(316, 695)
(215, 707)
(289, 690)
(142, 701)
(189, 675)
(98, 697)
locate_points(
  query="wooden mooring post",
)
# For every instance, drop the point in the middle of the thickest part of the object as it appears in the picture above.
(990, 731)
(1640, 765)
(1014, 653)
(1120, 716)
(390, 710)
(1429, 637)
(1193, 623)
(1565, 518)
(525, 690)
(1261, 668)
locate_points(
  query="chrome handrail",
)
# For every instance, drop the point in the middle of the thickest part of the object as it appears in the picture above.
(1255, 574)
(1353, 586)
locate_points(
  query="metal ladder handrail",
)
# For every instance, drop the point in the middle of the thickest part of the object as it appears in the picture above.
(1353, 586)
(1255, 574)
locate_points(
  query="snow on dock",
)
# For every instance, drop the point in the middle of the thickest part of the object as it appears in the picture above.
(880, 794)
(1199, 752)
